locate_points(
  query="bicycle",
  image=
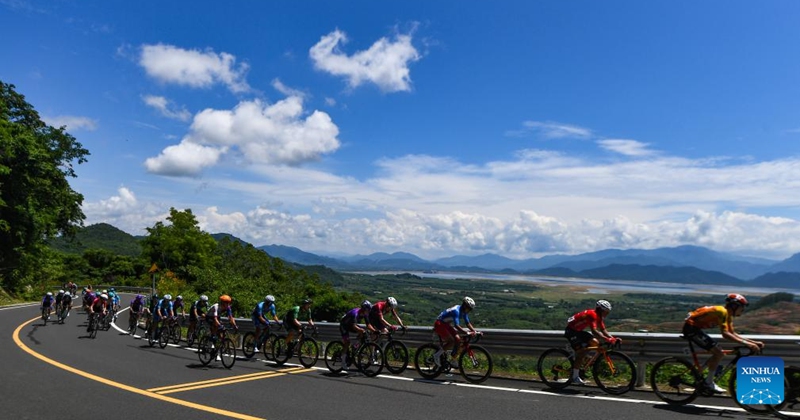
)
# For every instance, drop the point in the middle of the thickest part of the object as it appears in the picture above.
(678, 381)
(334, 355)
(474, 362)
(63, 313)
(133, 322)
(170, 331)
(264, 342)
(791, 393)
(200, 331)
(372, 357)
(613, 371)
(94, 324)
(209, 348)
(305, 345)
(46, 314)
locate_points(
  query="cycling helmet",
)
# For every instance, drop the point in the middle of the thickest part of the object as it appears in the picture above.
(270, 299)
(179, 297)
(602, 303)
(104, 296)
(203, 298)
(307, 301)
(139, 297)
(61, 292)
(392, 302)
(469, 302)
(49, 293)
(66, 294)
(225, 299)
(112, 289)
(366, 305)
(104, 291)
(736, 298)
(168, 296)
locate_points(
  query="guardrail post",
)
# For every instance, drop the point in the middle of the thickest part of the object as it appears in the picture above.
(641, 373)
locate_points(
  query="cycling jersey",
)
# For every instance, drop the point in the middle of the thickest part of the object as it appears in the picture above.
(711, 316)
(293, 314)
(353, 316)
(164, 308)
(98, 305)
(213, 312)
(581, 320)
(47, 301)
(137, 304)
(199, 306)
(260, 311)
(66, 300)
(177, 306)
(452, 316)
(376, 314)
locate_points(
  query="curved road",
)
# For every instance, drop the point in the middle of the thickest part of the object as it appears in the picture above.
(56, 370)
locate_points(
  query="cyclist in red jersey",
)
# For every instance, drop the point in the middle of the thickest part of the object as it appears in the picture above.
(580, 339)
(712, 316)
(376, 318)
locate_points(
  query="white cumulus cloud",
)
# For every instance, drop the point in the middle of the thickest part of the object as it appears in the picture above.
(193, 68)
(385, 63)
(183, 159)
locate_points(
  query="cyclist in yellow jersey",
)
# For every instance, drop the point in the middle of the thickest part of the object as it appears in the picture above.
(712, 316)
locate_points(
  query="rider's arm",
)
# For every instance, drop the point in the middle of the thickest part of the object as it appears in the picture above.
(397, 317)
(729, 334)
(231, 319)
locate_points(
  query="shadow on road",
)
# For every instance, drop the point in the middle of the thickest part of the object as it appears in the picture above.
(701, 411)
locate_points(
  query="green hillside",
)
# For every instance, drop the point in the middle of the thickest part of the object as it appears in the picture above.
(99, 236)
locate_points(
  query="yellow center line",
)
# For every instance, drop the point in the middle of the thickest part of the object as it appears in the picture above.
(225, 379)
(234, 381)
(128, 388)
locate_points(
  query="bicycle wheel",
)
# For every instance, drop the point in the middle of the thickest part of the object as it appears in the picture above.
(163, 337)
(757, 401)
(309, 352)
(268, 346)
(395, 354)
(45, 316)
(205, 352)
(176, 333)
(151, 335)
(93, 327)
(132, 324)
(475, 364)
(280, 352)
(674, 381)
(555, 368)
(334, 356)
(369, 359)
(615, 373)
(227, 352)
(249, 345)
(424, 361)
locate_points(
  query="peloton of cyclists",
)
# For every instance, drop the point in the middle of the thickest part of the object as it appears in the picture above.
(580, 339)
(713, 316)
(448, 326)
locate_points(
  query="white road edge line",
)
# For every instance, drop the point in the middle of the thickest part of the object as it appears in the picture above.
(17, 306)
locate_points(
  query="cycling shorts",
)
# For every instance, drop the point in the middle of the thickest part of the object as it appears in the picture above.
(346, 329)
(699, 337)
(444, 330)
(578, 339)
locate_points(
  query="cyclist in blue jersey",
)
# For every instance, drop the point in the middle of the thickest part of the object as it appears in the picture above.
(259, 316)
(48, 301)
(163, 312)
(448, 326)
(349, 323)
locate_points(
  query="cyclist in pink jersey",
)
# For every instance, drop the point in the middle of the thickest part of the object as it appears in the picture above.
(580, 339)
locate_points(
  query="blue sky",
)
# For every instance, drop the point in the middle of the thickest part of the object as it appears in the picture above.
(438, 128)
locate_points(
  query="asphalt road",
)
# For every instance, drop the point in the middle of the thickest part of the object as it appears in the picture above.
(55, 370)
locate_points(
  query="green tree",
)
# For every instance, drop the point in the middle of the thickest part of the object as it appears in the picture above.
(180, 246)
(36, 200)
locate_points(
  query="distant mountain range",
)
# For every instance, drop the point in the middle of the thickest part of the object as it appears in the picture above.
(683, 264)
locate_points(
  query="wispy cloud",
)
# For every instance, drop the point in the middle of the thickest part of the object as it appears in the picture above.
(166, 108)
(626, 147)
(385, 63)
(193, 68)
(550, 130)
(72, 122)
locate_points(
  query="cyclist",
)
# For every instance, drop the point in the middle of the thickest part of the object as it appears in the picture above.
(48, 301)
(448, 326)
(379, 309)
(163, 312)
(88, 297)
(99, 305)
(150, 311)
(579, 339)
(178, 305)
(59, 297)
(113, 301)
(66, 303)
(263, 308)
(137, 308)
(292, 323)
(712, 316)
(349, 323)
(215, 311)
(197, 312)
